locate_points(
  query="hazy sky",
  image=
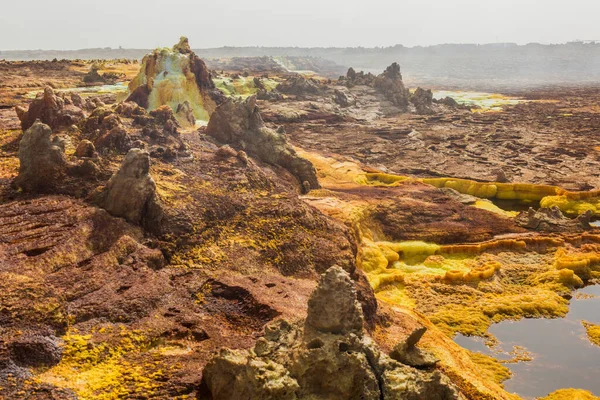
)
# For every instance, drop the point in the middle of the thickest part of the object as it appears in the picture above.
(75, 24)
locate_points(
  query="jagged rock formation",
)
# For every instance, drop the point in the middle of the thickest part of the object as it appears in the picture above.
(131, 192)
(354, 78)
(553, 220)
(299, 86)
(42, 159)
(172, 77)
(390, 84)
(106, 131)
(324, 359)
(337, 314)
(89, 103)
(422, 100)
(239, 123)
(54, 110)
(128, 125)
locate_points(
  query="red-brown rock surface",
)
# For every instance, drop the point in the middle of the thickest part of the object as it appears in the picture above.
(57, 111)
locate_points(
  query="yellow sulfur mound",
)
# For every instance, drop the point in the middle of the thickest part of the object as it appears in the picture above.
(572, 207)
(480, 272)
(593, 332)
(412, 251)
(562, 280)
(242, 86)
(570, 203)
(490, 367)
(169, 76)
(582, 264)
(101, 371)
(474, 315)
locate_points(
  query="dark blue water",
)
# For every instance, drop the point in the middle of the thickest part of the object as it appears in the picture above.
(563, 357)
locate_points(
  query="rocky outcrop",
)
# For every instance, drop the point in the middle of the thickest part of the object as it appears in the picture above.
(42, 159)
(131, 192)
(390, 84)
(239, 124)
(333, 306)
(343, 98)
(447, 101)
(120, 128)
(422, 100)
(298, 85)
(553, 220)
(408, 353)
(354, 78)
(272, 96)
(172, 77)
(106, 131)
(89, 103)
(54, 110)
(185, 114)
(35, 350)
(315, 361)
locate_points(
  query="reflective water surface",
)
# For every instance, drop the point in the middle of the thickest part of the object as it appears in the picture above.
(563, 357)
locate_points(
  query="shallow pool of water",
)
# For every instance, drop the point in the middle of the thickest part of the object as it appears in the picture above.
(118, 89)
(563, 357)
(486, 101)
(515, 205)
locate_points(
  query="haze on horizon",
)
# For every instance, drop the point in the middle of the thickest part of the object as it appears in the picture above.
(77, 24)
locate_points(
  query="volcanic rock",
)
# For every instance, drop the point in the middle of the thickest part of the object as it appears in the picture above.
(273, 95)
(172, 77)
(354, 78)
(460, 197)
(94, 77)
(422, 100)
(299, 86)
(553, 220)
(36, 350)
(239, 124)
(106, 131)
(314, 363)
(407, 353)
(131, 192)
(42, 159)
(333, 307)
(129, 125)
(448, 101)
(185, 114)
(85, 148)
(54, 110)
(343, 98)
(390, 84)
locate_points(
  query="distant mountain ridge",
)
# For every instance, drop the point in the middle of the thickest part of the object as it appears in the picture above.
(489, 66)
